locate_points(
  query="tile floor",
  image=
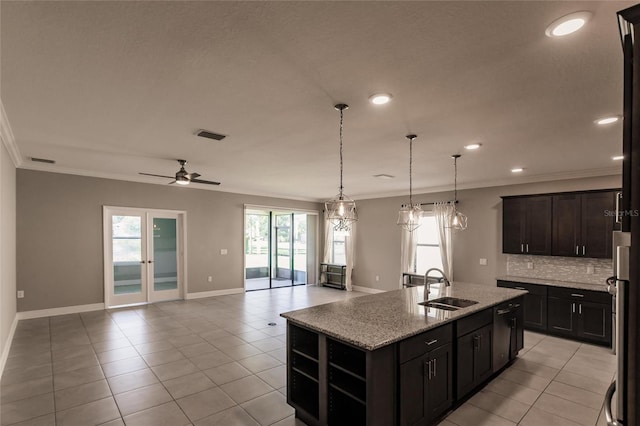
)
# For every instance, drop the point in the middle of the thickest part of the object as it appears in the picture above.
(216, 361)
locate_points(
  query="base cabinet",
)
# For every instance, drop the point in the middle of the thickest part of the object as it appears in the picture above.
(535, 304)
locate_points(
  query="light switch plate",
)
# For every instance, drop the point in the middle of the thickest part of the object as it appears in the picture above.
(223, 252)
(483, 261)
(20, 294)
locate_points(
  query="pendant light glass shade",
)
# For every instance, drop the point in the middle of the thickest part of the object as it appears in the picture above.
(341, 210)
(409, 214)
(456, 220)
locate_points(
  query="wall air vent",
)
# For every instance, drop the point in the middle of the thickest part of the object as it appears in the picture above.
(43, 160)
(210, 135)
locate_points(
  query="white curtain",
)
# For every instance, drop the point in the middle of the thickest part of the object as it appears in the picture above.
(408, 246)
(328, 247)
(442, 212)
(350, 252)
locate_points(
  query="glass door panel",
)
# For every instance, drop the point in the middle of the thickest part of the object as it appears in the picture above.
(282, 266)
(299, 248)
(256, 250)
(128, 259)
(164, 263)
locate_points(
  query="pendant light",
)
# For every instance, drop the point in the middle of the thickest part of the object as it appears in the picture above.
(341, 211)
(409, 214)
(457, 220)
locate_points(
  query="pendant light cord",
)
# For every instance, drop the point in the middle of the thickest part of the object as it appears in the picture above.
(341, 162)
(410, 172)
(455, 179)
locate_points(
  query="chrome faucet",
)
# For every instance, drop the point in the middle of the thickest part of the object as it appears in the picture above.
(442, 279)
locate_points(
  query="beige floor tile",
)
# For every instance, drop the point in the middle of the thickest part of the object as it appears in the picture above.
(130, 381)
(163, 357)
(210, 359)
(275, 377)
(235, 416)
(268, 409)
(75, 363)
(91, 414)
(142, 398)
(28, 360)
(82, 394)
(442, 423)
(567, 409)
(544, 359)
(110, 345)
(578, 395)
(19, 375)
(494, 403)
(123, 366)
(537, 417)
(149, 348)
(535, 368)
(186, 340)
(227, 373)
(188, 385)
(26, 389)
(258, 363)
(252, 335)
(71, 352)
(525, 378)
(583, 382)
(470, 415)
(174, 369)
(513, 390)
(245, 389)
(205, 403)
(268, 344)
(241, 351)
(166, 414)
(197, 349)
(25, 409)
(77, 377)
(46, 420)
(117, 354)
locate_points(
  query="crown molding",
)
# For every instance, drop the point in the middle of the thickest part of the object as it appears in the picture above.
(9, 141)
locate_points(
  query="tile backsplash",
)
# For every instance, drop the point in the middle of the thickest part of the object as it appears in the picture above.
(574, 269)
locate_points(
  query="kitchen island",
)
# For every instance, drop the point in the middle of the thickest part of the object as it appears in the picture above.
(385, 359)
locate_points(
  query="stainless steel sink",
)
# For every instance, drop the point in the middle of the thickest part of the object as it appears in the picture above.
(448, 303)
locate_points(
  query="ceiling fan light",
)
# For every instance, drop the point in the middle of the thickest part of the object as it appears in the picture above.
(182, 180)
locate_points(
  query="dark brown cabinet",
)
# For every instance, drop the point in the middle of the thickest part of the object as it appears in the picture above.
(426, 376)
(526, 225)
(580, 314)
(535, 304)
(583, 224)
(474, 359)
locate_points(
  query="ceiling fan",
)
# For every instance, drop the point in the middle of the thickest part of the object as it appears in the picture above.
(184, 178)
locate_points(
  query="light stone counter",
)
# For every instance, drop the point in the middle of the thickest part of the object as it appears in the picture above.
(555, 283)
(373, 321)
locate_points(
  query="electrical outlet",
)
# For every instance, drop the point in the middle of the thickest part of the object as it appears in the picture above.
(591, 269)
(377, 277)
(20, 294)
(223, 252)
(529, 265)
(483, 261)
(210, 278)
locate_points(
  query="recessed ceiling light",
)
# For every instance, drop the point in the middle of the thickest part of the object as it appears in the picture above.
(618, 157)
(383, 176)
(380, 98)
(568, 24)
(517, 170)
(607, 120)
(473, 146)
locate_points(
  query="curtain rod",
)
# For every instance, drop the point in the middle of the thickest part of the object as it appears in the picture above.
(435, 202)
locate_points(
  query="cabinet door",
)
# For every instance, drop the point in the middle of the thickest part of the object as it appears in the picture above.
(561, 318)
(535, 312)
(483, 362)
(414, 376)
(513, 225)
(538, 225)
(440, 386)
(566, 225)
(598, 217)
(595, 322)
(467, 347)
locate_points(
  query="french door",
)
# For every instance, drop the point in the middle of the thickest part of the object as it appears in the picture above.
(144, 255)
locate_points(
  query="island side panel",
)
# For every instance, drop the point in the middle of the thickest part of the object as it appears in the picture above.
(382, 366)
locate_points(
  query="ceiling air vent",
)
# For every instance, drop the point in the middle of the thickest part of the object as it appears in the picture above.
(43, 160)
(210, 135)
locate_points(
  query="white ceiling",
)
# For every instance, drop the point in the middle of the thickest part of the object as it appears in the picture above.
(115, 88)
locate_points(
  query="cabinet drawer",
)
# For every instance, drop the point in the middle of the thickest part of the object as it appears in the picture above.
(473, 322)
(425, 342)
(577, 294)
(531, 288)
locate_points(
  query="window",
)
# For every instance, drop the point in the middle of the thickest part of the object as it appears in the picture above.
(338, 251)
(428, 246)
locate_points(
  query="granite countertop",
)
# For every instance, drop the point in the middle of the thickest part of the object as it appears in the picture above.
(373, 321)
(555, 283)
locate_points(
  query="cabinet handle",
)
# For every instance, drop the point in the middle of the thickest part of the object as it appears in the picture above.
(583, 250)
(435, 367)
(618, 197)
(519, 288)
(577, 295)
(431, 342)
(521, 248)
(476, 343)
(580, 309)
(428, 365)
(527, 248)
(573, 308)
(576, 250)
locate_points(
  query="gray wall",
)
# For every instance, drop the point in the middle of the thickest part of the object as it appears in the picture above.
(59, 234)
(378, 237)
(7, 246)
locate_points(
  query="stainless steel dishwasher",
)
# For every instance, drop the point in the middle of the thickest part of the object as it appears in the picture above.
(507, 333)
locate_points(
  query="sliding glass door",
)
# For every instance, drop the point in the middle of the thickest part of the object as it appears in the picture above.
(143, 256)
(277, 248)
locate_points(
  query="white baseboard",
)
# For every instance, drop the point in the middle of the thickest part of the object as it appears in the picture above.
(212, 293)
(59, 311)
(7, 347)
(367, 289)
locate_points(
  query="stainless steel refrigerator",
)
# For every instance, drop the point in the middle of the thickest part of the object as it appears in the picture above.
(626, 387)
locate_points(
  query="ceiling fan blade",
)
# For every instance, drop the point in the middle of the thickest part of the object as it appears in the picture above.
(162, 176)
(194, 176)
(208, 182)
(172, 182)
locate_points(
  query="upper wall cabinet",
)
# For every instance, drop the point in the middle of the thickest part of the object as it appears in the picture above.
(583, 223)
(573, 224)
(526, 225)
